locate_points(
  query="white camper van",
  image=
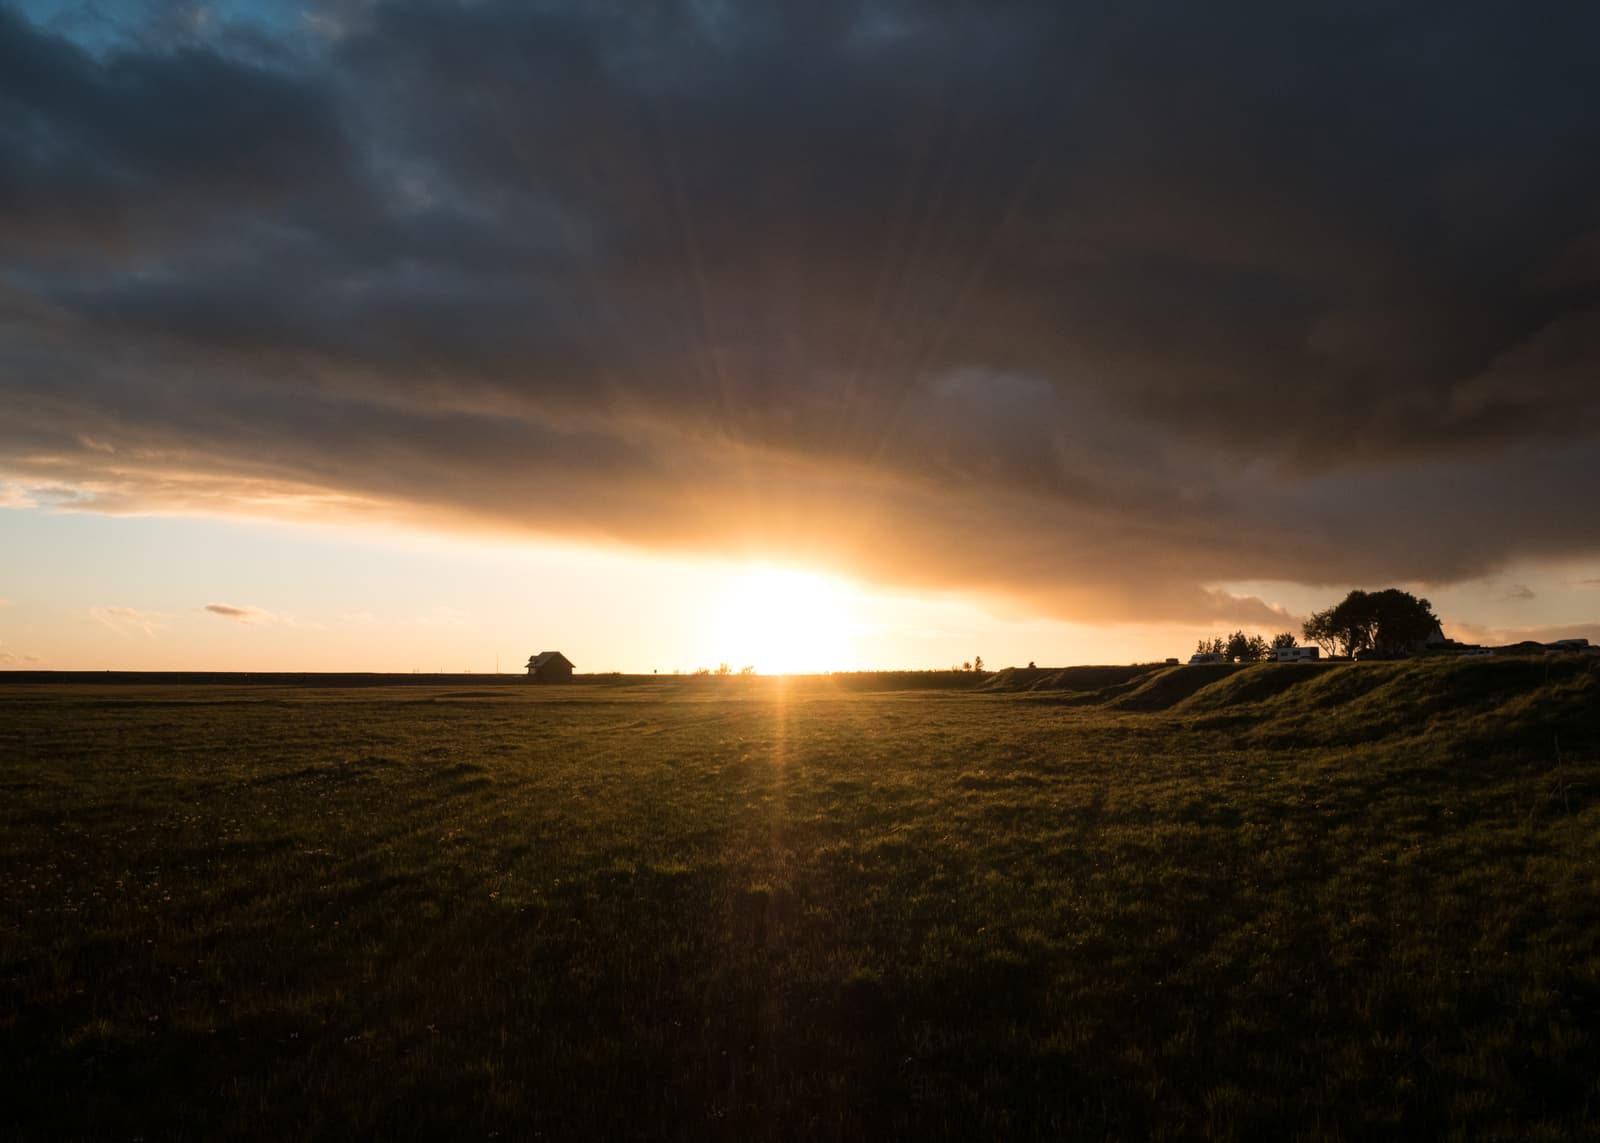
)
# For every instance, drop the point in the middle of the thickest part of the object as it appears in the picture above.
(1296, 654)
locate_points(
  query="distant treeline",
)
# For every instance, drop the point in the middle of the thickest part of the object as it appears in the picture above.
(1390, 622)
(1242, 648)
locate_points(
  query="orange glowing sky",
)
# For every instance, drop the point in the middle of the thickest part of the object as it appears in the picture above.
(85, 591)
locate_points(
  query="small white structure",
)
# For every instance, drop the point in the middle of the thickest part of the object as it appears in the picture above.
(1206, 657)
(1296, 654)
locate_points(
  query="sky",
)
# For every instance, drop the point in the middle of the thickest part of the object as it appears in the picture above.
(358, 335)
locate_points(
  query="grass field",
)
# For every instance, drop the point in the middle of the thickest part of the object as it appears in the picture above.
(1321, 902)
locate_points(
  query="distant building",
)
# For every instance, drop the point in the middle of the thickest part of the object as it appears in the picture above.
(549, 667)
(1437, 640)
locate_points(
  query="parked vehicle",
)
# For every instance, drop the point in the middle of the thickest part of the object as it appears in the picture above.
(1206, 657)
(1296, 654)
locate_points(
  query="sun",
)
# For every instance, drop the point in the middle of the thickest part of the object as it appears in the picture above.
(783, 621)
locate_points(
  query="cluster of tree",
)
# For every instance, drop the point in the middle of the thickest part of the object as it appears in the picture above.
(975, 664)
(1388, 622)
(1242, 648)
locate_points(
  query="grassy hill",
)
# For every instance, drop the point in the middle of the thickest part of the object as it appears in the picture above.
(1508, 699)
(1523, 705)
(1281, 901)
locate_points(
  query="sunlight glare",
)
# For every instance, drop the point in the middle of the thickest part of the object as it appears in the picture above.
(783, 621)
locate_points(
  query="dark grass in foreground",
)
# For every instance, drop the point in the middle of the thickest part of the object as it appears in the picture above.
(1338, 902)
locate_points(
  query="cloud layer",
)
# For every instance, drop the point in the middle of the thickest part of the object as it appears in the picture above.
(1098, 306)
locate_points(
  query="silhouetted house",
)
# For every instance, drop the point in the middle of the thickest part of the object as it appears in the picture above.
(549, 667)
(1437, 640)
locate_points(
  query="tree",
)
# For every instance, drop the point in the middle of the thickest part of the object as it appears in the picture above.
(1353, 622)
(1342, 629)
(1242, 648)
(1400, 620)
(1319, 629)
(1284, 640)
(977, 663)
(1390, 621)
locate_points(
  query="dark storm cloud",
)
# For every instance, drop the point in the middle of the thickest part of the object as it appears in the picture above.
(138, 151)
(1095, 304)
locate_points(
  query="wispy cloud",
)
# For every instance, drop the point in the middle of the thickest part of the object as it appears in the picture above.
(14, 495)
(130, 620)
(1517, 593)
(250, 616)
(442, 617)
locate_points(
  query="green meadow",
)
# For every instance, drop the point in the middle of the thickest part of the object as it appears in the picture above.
(1340, 901)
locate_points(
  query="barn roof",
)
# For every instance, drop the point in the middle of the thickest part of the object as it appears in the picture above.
(545, 657)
